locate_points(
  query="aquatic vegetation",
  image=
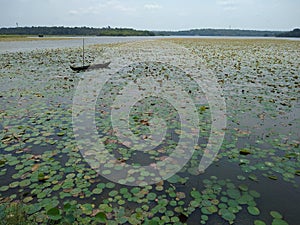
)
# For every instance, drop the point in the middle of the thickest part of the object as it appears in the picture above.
(41, 166)
(13, 213)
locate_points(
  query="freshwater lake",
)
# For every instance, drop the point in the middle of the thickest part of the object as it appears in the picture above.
(254, 179)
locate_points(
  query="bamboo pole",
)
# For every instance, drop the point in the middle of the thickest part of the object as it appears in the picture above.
(83, 52)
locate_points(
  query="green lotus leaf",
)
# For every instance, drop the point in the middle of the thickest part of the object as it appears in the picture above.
(227, 215)
(253, 210)
(54, 214)
(276, 215)
(100, 217)
(233, 193)
(259, 222)
(279, 222)
(151, 196)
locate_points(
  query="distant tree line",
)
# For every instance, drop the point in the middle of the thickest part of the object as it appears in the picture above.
(219, 32)
(293, 33)
(84, 31)
(124, 32)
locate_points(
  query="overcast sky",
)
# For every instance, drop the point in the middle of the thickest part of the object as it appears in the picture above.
(153, 14)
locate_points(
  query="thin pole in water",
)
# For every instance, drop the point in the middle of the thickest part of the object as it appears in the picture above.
(82, 51)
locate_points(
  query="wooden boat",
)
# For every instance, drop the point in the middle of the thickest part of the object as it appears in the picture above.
(90, 67)
(79, 68)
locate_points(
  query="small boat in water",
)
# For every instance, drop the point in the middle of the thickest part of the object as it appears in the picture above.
(79, 68)
(90, 67)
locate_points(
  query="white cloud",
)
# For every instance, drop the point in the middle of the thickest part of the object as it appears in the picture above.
(228, 5)
(123, 8)
(73, 12)
(152, 6)
(113, 6)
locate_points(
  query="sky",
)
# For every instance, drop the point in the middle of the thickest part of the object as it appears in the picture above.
(153, 14)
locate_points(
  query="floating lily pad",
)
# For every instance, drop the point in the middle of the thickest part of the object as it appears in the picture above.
(4, 188)
(54, 214)
(245, 199)
(253, 210)
(110, 185)
(233, 193)
(255, 194)
(151, 196)
(240, 177)
(243, 187)
(100, 217)
(205, 211)
(195, 194)
(212, 209)
(27, 199)
(113, 193)
(253, 177)
(87, 208)
(194, 204)
(227, 215)
(276, 215)
(259, 222)
(279, 222)
(24, 183)
(97, 191)
(135, 190)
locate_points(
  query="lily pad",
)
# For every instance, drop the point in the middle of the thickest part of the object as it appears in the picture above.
(233, 193)
(243, 187)
(255, 194)
(279, 222)
(101, 217)
(54, 214)
(259, 222)
(227, 215)
(253, 177)
(195, 194)
(276, 215)
(253, 210)
(151, 196)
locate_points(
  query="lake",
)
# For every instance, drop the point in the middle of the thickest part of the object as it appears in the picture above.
(69, 42)
(47, 165)
(77, 42)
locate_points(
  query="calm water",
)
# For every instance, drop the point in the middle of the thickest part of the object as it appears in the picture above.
(17, 46)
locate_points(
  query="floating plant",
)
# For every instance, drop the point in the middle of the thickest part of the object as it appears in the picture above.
(42, 169)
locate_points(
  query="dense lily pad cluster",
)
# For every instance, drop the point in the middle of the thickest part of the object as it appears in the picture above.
(260, 79)
(41, 166)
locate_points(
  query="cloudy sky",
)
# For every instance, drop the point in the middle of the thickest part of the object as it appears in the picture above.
(153, 14)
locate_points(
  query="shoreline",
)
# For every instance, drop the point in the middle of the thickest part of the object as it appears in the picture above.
(13, 38)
